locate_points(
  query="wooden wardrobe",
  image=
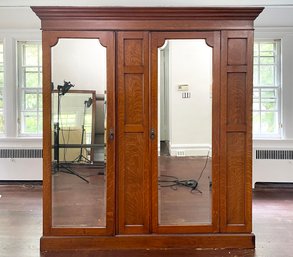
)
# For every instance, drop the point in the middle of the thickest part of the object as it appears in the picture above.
(132, 37)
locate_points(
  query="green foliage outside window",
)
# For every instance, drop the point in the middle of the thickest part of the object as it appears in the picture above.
(1, 89)
(30, 84)
(266, 77)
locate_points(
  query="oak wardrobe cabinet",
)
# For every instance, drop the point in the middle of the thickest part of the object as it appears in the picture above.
(171, 157)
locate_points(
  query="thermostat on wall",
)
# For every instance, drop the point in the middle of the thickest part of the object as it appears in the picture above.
(183, 87)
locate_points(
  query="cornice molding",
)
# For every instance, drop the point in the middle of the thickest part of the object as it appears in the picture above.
(145, 18)
(141, 13)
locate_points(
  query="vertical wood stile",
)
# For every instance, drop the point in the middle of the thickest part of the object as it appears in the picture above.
(236, 134)
(133, 125)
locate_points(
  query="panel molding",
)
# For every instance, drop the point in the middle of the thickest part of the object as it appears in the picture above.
(133, 191)
(236, 132)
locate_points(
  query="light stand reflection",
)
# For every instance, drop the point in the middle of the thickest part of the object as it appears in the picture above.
(81, 157)
(62, 90)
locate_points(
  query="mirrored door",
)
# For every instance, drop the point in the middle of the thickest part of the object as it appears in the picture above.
(185, 152)
(82, 133)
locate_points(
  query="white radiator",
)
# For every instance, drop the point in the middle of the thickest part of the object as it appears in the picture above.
(272, 165)
(21, 164)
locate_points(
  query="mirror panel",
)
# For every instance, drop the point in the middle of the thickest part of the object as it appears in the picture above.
(185, 133)
(78, 129)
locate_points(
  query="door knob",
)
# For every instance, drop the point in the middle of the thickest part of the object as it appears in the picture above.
(152, 134)
(111, 134)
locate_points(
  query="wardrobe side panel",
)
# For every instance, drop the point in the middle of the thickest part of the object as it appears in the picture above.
(236, 131)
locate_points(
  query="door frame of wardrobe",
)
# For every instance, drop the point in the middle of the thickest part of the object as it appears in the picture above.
(212, 39)
(50, 39)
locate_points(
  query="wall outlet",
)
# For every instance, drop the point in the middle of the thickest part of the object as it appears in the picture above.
(186, 95)
(180, 153)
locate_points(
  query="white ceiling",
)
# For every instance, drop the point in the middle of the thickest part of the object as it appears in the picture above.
(146, 2)
(16, 14)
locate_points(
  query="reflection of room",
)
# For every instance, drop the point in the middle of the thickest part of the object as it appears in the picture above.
(76, 123)
(78, 175)
(185, 101)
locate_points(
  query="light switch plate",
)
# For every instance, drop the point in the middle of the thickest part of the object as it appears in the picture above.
(183, 87)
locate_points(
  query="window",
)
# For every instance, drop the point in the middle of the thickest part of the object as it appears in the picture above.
(30, 88)
(1, 89)
(267, 89)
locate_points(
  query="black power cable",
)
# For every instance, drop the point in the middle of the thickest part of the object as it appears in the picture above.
(173, 182)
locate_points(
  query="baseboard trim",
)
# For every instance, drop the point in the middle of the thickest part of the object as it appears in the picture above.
(190, 149)
(273, 185)
(152, 241)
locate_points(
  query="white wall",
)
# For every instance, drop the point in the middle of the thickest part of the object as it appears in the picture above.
(144, 2)
(16, 169)
(278, 170)
(80, 61)
(190, 63)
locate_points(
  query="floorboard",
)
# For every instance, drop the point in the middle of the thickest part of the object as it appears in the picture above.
(21, 227)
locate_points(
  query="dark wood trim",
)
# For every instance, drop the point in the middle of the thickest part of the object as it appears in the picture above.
(133, 18)
(148, 242)
(141, 13)
(248, 157)
(47, 140)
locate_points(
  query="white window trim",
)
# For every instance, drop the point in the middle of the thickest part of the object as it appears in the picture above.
(10, 38)
(279, 92)
(4, 109)
(20, 90)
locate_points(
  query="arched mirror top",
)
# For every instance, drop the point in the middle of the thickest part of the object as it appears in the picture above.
(53, 38)
(161, 39)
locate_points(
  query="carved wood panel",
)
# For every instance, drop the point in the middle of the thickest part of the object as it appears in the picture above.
(236, 112)
(133, 146)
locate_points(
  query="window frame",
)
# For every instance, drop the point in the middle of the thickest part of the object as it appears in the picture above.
(21, 89)
(2, 133)
(277, 86)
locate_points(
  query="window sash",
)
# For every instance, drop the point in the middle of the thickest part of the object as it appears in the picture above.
(267, 96)
(2, 125)
(30, 89)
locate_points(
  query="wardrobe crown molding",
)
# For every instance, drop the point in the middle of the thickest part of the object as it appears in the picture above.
(91, 18)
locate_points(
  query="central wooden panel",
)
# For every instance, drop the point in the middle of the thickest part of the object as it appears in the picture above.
(133, 86)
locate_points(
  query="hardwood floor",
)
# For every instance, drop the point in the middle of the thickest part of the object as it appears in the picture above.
(80, 204)
(21, 227)
(179, 204)
(20, 220)
(77, 203)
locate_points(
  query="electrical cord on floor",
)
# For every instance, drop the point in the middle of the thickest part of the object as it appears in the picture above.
(173, 182)
(204, 167)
